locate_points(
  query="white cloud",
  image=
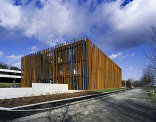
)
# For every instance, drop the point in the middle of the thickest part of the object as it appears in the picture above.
(18, 64)
(1, 54)
(129, 69)
(121, 56)
(109, 23)
(114, 56)
(14, 60)
(34, 49)
(10, 15)
(128, 55)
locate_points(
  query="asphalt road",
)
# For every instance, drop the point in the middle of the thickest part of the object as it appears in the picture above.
(130, 106)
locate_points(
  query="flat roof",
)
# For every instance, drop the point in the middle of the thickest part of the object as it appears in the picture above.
(9, 76)
(8, 70)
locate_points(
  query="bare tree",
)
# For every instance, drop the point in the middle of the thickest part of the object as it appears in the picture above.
(149, 73)
(148, 76)
(151, 54)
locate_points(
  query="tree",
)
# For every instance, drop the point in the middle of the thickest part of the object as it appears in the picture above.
(128, 83)
(13, 68)
(151, 54)
(3, 66)
(137, 83)
(148, 75)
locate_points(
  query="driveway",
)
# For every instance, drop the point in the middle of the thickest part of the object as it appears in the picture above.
(130, 106)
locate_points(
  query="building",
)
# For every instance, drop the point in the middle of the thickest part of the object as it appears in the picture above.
(10, 76)
(80, 64)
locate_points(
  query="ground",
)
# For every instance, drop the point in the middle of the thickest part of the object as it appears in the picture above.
(130, 106)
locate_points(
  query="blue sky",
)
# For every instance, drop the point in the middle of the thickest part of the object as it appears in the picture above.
(120, 28)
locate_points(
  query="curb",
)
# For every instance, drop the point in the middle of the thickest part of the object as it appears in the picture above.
(73, 99)
(68, 100)
(21, 111)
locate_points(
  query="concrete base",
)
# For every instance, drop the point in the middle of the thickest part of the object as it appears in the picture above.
(44, 88)
(36, 90)
(15, 92)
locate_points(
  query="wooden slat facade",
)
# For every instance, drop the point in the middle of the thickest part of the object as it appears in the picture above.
(81, 65)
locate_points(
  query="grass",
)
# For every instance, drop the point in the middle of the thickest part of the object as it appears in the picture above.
(153, 97)
(147, 90)
(8, 84)
(108, 90)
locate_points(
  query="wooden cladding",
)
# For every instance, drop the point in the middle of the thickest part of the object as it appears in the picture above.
(80, 64)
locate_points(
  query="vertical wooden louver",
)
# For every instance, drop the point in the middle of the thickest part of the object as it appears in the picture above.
(81, 65)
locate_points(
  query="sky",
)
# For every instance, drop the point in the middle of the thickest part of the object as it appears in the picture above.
(120, 28)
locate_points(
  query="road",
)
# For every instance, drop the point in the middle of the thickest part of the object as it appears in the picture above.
(130, 106)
